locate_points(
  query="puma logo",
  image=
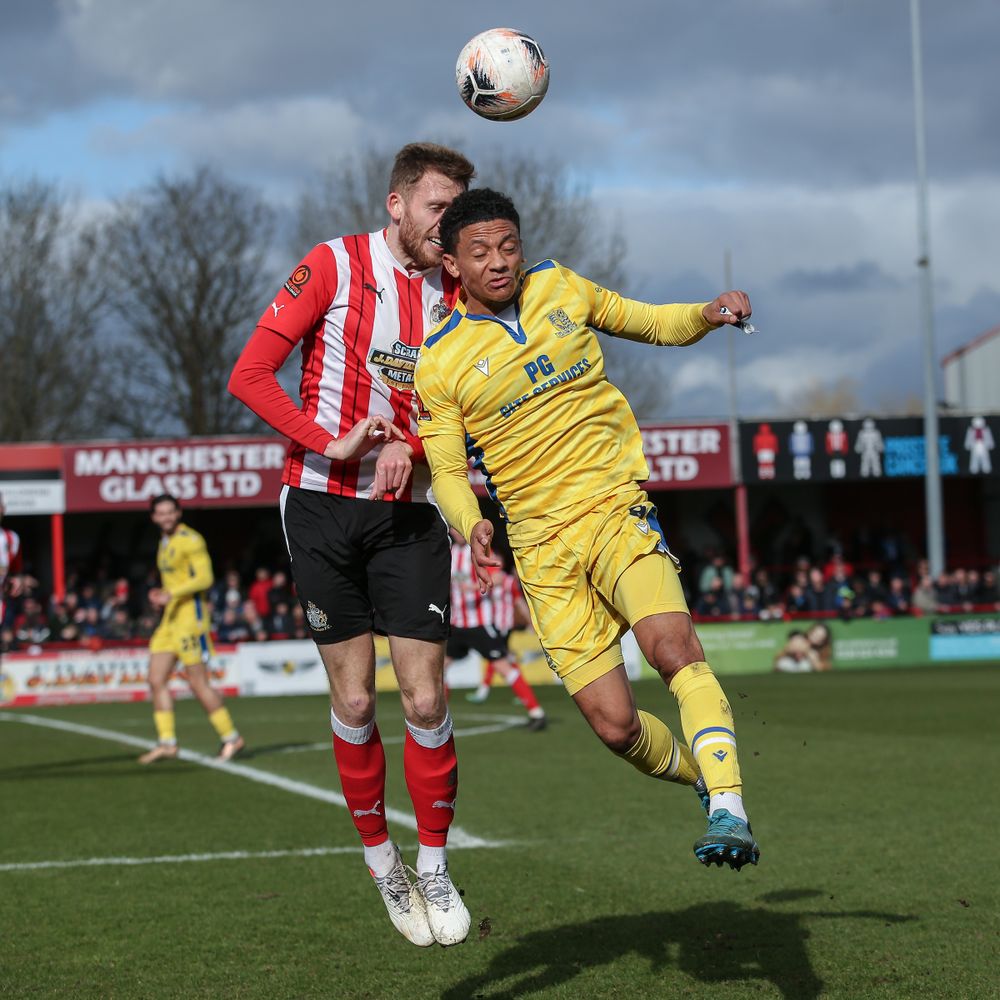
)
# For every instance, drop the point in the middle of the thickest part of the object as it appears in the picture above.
(276, 307)
(441, 804)
(371, 288)
(437, 610)
(369, 812)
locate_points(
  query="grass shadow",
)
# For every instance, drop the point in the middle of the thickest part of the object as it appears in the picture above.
(711, 942)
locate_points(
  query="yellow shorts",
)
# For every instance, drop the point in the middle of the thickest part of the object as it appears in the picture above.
(590, 582)
(184, 635)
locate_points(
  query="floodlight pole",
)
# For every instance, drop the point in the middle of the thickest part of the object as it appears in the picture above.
(932, 476)
(740, 491)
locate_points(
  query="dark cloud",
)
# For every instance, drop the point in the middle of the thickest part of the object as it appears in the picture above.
(864, 276)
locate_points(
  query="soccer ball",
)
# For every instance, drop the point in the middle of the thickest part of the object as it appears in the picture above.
(502, 74)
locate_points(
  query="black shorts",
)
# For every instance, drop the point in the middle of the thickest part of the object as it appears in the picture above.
(368, 566)
(488, 642)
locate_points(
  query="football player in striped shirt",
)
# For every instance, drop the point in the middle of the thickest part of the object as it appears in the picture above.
(358, 307)
(483, 622)
(184, 632)
(515, 380)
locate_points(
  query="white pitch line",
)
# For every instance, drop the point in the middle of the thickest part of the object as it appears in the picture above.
(457, 837)
(178, 859)
(511, 722)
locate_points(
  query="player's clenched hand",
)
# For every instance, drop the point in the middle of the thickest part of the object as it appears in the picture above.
(361, 438)
(737, 305)
(392, 470)
(158, 597)
(483, 558)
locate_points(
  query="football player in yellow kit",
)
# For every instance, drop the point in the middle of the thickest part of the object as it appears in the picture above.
(184, 632)
(514, 379)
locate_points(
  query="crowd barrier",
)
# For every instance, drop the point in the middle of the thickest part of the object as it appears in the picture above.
(75, 676)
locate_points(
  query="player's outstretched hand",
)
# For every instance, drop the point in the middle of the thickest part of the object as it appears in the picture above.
(483, 558)
(392, 470)
(729, 307)
(361, 438)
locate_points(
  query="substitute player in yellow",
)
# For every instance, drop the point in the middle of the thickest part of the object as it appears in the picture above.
(183, 633)
(515, 379)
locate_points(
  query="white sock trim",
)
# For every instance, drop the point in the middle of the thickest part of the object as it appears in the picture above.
(431, 859)
(349, 734)
(730, 801)
(431, 739)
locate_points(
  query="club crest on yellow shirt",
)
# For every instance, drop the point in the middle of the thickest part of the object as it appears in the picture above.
(563, 324)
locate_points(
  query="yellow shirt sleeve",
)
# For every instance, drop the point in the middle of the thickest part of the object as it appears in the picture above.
(443, 434)
(675, 325)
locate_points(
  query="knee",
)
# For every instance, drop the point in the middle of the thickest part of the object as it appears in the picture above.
(356, 708)
(675, 650)
(619, 735)
(426, 707)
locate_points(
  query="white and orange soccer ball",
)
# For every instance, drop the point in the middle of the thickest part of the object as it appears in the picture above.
(502, 74)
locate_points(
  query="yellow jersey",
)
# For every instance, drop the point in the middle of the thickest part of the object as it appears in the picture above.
(186, 572)
(524, 394)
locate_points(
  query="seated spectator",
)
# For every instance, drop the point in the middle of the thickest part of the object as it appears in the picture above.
(232, 627)
(59, 619)
(837, 565)
(796, 601)
(227, 591)
(258, 633)
(145, 624)
(89, 623)
(717, 568)
(8, 642)
(280, 623)
(875, 589)
(988, 593)
(300, 629)
(964, 585)
(119, 626)
(743, 599)
(944, 592)
(767, 592)
(898, 600)
(31, 627)
(714, 602)
(818, 596)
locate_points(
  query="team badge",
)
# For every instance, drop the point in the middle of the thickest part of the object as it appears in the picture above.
(439, 311)
(563, 324)
(317, 619)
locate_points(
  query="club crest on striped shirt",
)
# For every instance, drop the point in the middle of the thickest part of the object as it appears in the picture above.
(439, 311)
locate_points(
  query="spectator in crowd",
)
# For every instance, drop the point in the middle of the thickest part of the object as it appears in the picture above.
(944, 591)
(259, 590)
(233, 627)
(717, 568)
(300, 628)
(924, 600)
(796, 599)
(837, 566)
(31, 627)
(255, 623)
(146, 623)
(118, 627)
(767, 592)
(89, 623)
(279, 622)
(898, 599)
(280, 592)
(743, 598)
(988, 593)
(8, 642)
(226, 592)
(714, 602)
(818, 596)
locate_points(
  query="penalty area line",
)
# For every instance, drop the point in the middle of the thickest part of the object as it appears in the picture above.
(457, 837)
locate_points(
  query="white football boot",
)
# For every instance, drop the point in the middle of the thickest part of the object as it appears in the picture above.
(405, 904)
(447, 915)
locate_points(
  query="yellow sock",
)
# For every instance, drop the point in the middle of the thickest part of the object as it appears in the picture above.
(659, 755)
(707, 721)
(223, 723)
(165, 731)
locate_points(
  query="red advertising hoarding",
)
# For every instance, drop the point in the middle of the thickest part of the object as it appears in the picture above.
(218, 472)
(696, 457)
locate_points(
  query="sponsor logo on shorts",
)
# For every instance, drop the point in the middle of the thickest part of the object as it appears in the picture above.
(317, 618)
(437, 610)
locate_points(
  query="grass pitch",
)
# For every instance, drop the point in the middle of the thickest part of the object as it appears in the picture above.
(874, 881)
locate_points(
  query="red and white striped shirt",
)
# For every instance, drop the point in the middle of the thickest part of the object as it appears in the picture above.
(470, 608)
(10, 559)
(360, 317)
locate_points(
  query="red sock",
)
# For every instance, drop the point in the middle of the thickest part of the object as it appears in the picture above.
(522, 690)
(432, 781)
(362, 778)
(488, 671)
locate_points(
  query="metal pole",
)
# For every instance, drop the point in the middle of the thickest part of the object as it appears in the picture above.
(740, 492)
(932, 477)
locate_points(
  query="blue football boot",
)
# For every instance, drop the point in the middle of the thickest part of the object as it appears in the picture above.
(729, 840)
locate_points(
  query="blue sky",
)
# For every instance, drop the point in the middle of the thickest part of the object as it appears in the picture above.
(780, 129)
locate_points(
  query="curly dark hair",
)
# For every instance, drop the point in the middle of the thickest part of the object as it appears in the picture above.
(478, 205)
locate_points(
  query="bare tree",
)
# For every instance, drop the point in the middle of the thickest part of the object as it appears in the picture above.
(818, 399)
(186, 266)
(50, 311)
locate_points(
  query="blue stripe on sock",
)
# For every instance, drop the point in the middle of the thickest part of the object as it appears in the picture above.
(712, 729)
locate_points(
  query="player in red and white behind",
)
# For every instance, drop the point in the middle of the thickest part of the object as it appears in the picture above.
(359, 306)
(483, 622)
(11, 563)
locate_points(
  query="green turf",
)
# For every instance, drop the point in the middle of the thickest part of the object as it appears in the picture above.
(874, 880)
